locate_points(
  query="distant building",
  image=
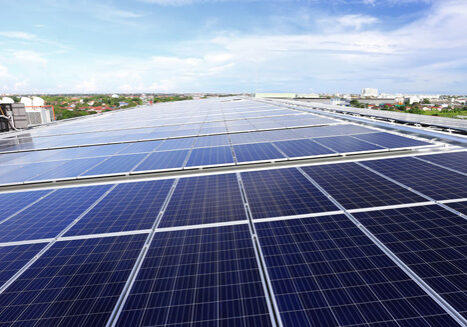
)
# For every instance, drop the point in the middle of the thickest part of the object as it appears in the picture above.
(368, 92)
(115, 96)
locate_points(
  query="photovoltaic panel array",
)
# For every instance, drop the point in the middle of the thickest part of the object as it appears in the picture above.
(230, 212)
(74, 283)
(430, 240)
(204, 200)
(354, 187)
(326, 272)
(200, 277)
(433, 181)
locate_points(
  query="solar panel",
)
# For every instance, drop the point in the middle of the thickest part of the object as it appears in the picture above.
(203, 200)
(201, 277)
(163, 160)
(48, 217)
(392, 141)
(177, 144)
(430, 240)
(116, 164)
(431, 180)
(454, 160)
(346, 144)
(13, 202)
(74, 283)
(256, 152)
(214, 140)
(129, 206)
(71, 168)
(356, 187)
(459, 206)
(283, 192)
(210, 156)
(302, 148)
(141, 147)
(326, 272)
(22, 173)
(13, 258)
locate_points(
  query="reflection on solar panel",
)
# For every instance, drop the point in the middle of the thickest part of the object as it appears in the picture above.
(256, 152)
(203, 200)
(356, 187)
(74, 283)
(210, 156)
(302, 148)
(431, 180)
(129, 206)
(326, 272)
(231, 212)
(387, 140)
(347, 144)
(163, 160)
(283, 192)
(431, 241)
(48, 217)
(13, 258)
(116, 164)
(455, 160)
(201, 277)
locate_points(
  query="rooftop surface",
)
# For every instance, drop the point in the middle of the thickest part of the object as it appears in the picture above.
(232, 212)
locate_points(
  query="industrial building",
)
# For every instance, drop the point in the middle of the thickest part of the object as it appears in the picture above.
(233, 211)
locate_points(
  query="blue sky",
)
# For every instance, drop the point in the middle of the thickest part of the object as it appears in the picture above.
(65, 46)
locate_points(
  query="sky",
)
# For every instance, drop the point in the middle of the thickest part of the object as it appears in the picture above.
(168, 46)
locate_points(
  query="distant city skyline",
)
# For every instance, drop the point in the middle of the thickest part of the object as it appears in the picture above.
(302, 46)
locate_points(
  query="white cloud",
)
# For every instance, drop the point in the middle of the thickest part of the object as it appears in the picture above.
(18, 35)
(3, 71)
(356, 21)
(29, 56)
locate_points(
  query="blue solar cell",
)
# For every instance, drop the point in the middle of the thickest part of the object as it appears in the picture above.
(256, 152)
(177, 144)
(280, 135)
(201, 277)
(141, 147)
(74, 283)
(210, 156)
(356, 187)
(212, 130)
(13, 202)
(283, 192)
(104, 150)
(203, 200)
(116, 164)
(431, 180)
(392, 141)
(459, 206)
(346, 144)
(213, 140)
(71, 168)
(302, 148)
(326, 272)
(430, 240)
(13, 258)
(130, 206)
(48, 217)
(244, 138)
(455, 160)
(163, 160)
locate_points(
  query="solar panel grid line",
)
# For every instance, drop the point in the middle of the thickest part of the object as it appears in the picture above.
(415, 277)
(26, 207)
(14, 243)
(439, 165)
(116, 312)
(394, 206)
(452, 200)
(414, 191)
(266, 281)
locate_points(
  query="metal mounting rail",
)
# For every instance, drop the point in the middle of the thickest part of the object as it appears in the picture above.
(414, 276)
(266, 281)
